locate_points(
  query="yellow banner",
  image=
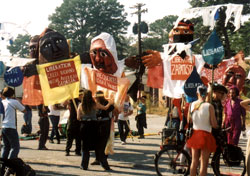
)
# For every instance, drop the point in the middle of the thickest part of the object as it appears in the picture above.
(60, 80)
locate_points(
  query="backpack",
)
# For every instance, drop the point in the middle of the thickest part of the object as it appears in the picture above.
(232, 155)
(19, 167)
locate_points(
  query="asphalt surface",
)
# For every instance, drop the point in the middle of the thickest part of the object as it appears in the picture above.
(136, 158)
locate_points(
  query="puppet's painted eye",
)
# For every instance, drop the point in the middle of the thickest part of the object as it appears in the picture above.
(48, 45)
(59, 41)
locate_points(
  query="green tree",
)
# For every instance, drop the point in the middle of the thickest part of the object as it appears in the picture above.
(158, 33)
(227, 33)
(20, 46)
(81, 20)
(240, 41)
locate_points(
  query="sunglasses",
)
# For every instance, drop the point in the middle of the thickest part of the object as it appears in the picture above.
(102, 53)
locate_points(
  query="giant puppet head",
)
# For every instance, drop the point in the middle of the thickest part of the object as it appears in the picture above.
(104, 55)
(53, 46)
(184, 32)
(33, 46)
(234, 75)
(30, 69)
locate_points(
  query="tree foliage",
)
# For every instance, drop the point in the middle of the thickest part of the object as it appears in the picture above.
(20, 46)
(81, 20)
(158, 33)
(231, 40)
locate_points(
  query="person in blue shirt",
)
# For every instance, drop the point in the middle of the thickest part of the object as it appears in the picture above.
(141, 117)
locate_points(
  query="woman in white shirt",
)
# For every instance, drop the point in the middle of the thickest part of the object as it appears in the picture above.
(202, 142)
(54, 116)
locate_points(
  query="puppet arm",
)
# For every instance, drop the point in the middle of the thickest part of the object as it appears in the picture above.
(152, 59)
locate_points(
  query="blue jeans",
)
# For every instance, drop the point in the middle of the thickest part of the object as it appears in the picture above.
(27, 117)
(55, 121)
(11, 145)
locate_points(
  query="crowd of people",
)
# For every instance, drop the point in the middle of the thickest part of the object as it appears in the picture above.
(89, 123)
(91, 114)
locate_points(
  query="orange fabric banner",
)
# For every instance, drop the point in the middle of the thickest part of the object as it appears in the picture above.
(32, 93)
(155, 77)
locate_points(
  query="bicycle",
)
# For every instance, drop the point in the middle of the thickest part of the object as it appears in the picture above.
(232, 156)
(172, 158)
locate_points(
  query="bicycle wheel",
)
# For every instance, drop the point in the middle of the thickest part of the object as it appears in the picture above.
(220, 168)
(171, 161)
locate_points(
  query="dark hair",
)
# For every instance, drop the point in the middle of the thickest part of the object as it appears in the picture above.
(88, 102)
(101, 99)
(219, 88)
(202, 90)
(8, 92)
(237, 92)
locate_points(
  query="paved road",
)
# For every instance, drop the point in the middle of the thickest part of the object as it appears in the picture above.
(134, 158)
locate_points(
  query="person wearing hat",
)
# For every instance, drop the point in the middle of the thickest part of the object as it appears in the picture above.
(219, 92)
(202, 142)
(11, 145)
(235, 116)
(73, 126)
(141, 117)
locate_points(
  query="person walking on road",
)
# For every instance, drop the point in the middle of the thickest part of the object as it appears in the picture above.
(235, 116)
(54, 116)
(73, 126)
(11, 145)
(44, 126)
(140, 118)
(123, 120)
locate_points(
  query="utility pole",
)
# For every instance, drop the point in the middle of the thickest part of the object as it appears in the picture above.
(139, 12)
(135, 89)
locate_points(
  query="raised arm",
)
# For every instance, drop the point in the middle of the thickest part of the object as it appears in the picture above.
(99, 106)
(245, 104)
(79, 112)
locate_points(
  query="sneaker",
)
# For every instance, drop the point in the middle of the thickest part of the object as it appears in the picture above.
(58, 142)
(67, 154)
(43, 148)
(141, 137)
(83, 168)
(78, 153)
(123, 143)
(51, 141)
(95, 163)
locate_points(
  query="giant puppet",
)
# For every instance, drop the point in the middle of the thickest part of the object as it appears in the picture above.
(107, 72)
(235, 74)
(177, 60)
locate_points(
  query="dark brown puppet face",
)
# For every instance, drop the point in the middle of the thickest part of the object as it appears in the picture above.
(33, 46)
(101, 58)
(234, 75)
(53, 47)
